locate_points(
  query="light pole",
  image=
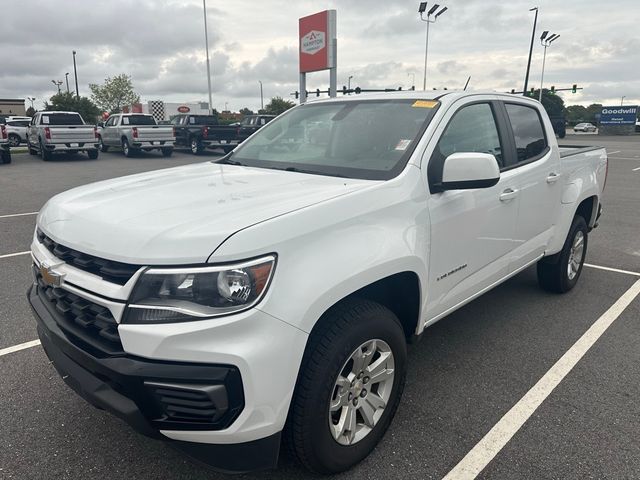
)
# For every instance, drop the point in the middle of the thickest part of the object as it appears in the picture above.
(66, 77)
(206, 44)
(31, 99)
(349, 83)
(413, 80)
(622, 99)
(545, 41)
(421, 9)
(57, 84)
(261, 96)
(533, 34)
(75, 73)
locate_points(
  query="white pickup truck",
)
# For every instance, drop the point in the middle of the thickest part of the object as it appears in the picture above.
(271, 294)
(52, 132)
(135, 132)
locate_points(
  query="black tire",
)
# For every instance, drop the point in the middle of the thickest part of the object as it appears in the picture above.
(92, 154)
(553, 272)
(127, 150)
(44, 154)
(167, 151)
(196, 146)
(102, 146)
(6, 156)
(227, 149)
(14, 140)
(343, 329)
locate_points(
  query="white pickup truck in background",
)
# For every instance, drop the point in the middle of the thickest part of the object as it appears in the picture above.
(52, 132)
(135, 132)
(271, 294)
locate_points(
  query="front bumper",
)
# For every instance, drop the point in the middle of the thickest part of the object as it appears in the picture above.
(132, 388)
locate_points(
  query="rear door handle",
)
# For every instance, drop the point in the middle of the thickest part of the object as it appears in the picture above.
(553, 177)
(508, 194)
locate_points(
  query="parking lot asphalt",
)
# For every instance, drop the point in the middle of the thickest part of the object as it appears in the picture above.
(469, 370)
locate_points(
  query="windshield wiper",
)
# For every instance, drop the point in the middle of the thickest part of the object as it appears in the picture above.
(228, 161)
(302, 170)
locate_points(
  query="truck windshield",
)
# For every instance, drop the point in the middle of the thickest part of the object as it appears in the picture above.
(61, 119)
(138, 120)
(369, 139)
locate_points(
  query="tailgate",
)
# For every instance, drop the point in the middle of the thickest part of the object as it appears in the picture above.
(155, 133)
(80, 134)
(222, 133)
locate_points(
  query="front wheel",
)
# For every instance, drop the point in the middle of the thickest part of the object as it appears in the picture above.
(561, 272)
(348, 388)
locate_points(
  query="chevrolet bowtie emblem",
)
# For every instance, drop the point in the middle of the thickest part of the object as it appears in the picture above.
(49, 276)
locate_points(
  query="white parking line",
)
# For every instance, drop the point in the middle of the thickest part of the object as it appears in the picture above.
(17, 348)
(18, 214)
(611, 153)
(609, 269)
(15, 254)
(493, 442)
(635, 169)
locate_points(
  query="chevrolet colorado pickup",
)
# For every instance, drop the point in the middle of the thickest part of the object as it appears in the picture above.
(269, 295)
(136, 132)
(52, 132)
(199, 132)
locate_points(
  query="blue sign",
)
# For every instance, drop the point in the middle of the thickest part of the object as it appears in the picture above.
(619, 115)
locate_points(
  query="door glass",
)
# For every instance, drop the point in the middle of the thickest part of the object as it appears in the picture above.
(527, 131)
(472, 129)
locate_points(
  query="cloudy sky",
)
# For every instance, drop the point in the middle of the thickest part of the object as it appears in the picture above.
(160, 43)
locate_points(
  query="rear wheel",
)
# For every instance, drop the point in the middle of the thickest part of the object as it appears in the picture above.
(167, 151)
(92, 154)
(102, 146)
(348, 388)
(126, 149)
(6, 156)
(227, 149)
(196, 146)
(14, 140)
(561, 272)
(46, 156)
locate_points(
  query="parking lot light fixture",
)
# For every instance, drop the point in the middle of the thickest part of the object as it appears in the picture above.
(622, 100)
(57, 83)
(261, 96)
(31, 99)
(206, 46)
(430, 18)
(75, 73)
(533, 34)
(545, 41)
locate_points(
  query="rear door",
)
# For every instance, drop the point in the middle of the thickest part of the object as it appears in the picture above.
(537, 168)
(472, 231)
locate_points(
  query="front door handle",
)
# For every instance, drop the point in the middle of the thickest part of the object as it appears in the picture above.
(508, 194)
(553, 177)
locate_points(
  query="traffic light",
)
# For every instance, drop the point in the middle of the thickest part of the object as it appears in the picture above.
(317, 92)
(574, 89)
(553, 90)
(513, 90)
(533, 92)
(296, 94)
(344, 90)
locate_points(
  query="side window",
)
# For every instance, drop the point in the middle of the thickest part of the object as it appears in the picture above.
(472, 129)
(528, 131)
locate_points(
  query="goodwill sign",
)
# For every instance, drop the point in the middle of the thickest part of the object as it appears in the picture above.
(619, 115)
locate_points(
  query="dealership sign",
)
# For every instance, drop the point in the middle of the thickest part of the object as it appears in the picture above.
(619, 115)
(184, 109)
(317, 37)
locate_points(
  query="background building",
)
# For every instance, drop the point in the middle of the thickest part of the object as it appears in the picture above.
(12, 106)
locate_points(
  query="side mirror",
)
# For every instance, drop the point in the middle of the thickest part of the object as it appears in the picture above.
(463, 171)
(101, 124)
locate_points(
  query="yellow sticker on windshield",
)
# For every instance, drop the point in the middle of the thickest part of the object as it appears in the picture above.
(425, 103)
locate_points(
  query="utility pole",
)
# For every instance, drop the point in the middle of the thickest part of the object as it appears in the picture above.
(622, 99)
(75, 73)
(261, 96)
(66, 77)
(545, 41)
(421, 9)
(533, 34)
(206, 44)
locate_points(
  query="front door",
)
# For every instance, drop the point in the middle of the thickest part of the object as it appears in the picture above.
(472, 231)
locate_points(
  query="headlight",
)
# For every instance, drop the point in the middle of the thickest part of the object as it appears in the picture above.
(167, 295)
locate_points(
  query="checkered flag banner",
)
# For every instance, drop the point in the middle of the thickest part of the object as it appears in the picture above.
(156, 108)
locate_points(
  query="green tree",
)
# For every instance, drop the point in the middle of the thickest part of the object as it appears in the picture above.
(277, 105)
(553, 104)
(68, 102)
(246, 111)
(576, 114)
(31, 112)
(114, 94)
(593, 110)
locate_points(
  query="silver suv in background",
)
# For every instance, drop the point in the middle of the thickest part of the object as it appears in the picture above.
(17, 131)
(135, 132)
(61, 132)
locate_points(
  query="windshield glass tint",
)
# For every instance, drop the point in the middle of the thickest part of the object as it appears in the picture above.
(61, 119)
(138, 120)
(370, 139)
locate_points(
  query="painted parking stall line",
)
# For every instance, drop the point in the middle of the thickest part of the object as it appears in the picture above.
(17, 348)
(610, 269)
(17, 254)
(494, 441)
(18, 214)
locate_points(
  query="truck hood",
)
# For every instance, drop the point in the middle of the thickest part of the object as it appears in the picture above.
(179, 215)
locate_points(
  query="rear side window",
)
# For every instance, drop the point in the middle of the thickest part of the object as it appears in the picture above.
(528, 131)
(139, 120)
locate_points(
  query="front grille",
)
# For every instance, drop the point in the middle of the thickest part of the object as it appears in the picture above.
(190, 404)
(109, 270)
(84, 322)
